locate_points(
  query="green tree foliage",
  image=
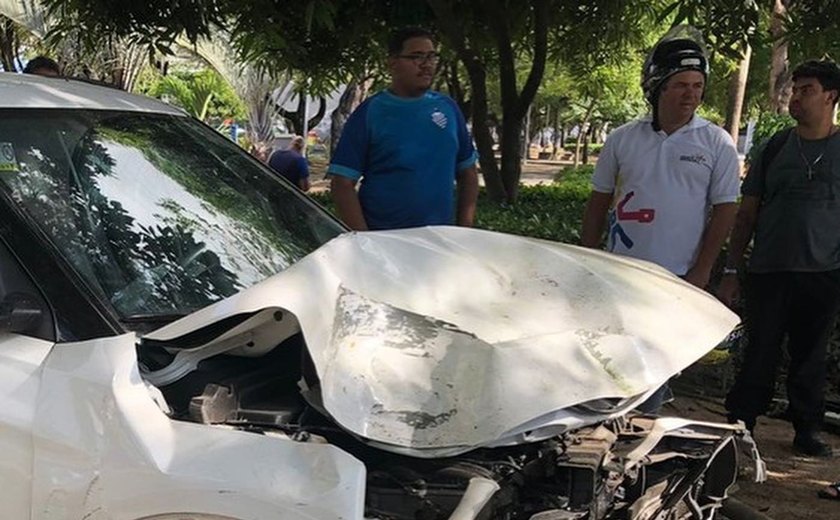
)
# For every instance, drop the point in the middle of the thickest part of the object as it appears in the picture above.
(813, 29)
(152, 23)
(729, 25)
(203, 94)
(334, 41)
(503, 49)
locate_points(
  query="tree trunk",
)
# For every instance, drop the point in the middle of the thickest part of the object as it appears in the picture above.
(526, 139)
(511, 157)
(737, 89)
(590, 133)
(456, 89)
(453, 31)
(501, 185)
(8, 44)
(350, 99)
(516, 103)
(483, 137)
(319, 115)
(582, 131)
(543, 126)
(780, 82)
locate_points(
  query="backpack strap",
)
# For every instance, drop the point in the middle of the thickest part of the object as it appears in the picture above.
(771, 150)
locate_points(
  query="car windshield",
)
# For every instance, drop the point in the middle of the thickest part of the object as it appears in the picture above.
(159, 214)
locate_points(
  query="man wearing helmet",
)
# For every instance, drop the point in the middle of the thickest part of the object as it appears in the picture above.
(667, 183)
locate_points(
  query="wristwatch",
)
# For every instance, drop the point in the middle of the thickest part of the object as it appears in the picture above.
(728, 271)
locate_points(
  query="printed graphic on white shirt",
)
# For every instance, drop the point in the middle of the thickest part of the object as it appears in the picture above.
(623, 214)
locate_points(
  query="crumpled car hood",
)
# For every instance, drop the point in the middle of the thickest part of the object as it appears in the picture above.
(434, 341)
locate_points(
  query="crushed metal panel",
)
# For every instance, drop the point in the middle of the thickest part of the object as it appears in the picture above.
(442, 338)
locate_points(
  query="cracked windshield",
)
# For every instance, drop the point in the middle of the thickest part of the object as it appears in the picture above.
(159, 214)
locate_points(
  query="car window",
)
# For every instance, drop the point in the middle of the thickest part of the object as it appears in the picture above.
(16, 290)
(159, 214)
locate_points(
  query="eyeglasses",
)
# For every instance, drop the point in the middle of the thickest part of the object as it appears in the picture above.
(421, 58)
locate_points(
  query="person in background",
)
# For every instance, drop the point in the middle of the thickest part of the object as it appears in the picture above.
(790, 211)
(42, 66)
(291, 164)
(409, 146)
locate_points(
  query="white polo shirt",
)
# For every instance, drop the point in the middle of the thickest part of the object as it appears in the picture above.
(664, 187)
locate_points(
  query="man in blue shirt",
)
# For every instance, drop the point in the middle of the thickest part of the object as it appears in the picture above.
(291, 164)
(409, 146)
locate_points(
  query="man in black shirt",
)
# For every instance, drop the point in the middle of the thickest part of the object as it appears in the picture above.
(791, 209)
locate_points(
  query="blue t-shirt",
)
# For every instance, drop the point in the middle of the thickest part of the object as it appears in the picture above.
(406, 151)
(290, 165)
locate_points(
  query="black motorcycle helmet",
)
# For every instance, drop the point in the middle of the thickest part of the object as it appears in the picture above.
(680, 50)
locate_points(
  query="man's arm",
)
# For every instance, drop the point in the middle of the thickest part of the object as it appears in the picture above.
(467, 196)
(347, 203)
(594, 218)
(723, 217)
(603, 190)
(348, 163)
(303, 174)
(741, 236)
(723, 192)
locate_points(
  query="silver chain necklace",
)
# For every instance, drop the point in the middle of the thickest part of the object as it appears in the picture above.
(810, 165)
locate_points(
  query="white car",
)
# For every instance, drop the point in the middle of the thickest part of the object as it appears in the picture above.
(184, 335)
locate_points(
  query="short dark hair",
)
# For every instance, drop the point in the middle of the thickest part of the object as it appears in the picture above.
(41, 62)
(398, 38)
(825, 71)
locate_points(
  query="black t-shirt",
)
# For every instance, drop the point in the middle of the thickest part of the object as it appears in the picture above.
(798, 227)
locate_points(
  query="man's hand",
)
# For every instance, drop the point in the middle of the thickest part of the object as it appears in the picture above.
(729, 290)
(698, 277)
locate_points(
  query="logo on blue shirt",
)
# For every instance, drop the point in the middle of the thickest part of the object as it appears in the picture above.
(439, 118)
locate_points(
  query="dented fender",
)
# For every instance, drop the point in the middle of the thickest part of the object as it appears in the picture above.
(103, 449)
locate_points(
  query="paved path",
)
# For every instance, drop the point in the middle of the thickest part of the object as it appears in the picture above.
(533, 173)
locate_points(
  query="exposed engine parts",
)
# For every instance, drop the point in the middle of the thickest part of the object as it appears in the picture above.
(630, 468)
(591, 474)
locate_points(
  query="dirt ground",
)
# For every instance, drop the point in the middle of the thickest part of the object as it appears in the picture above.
(533, 172)
(790, 492)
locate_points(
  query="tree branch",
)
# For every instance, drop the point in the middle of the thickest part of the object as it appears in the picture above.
(498, 22)
(535, 76)
(322, 109)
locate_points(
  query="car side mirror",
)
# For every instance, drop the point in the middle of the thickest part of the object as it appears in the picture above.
(20, 313)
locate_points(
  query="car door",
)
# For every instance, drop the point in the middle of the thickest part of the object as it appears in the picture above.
(24, 344)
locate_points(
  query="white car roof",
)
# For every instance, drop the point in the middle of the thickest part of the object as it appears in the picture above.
(32, 91)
